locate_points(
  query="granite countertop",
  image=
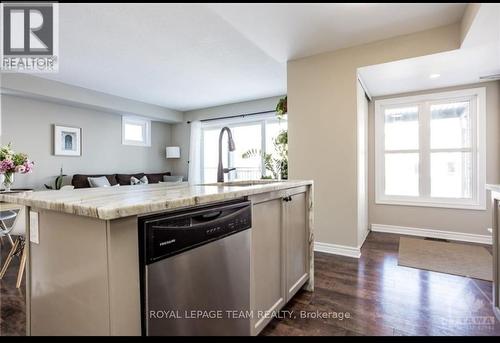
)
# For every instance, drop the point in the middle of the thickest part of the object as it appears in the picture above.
(116, 202)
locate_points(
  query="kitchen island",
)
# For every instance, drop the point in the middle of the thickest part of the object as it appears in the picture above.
(83, 275)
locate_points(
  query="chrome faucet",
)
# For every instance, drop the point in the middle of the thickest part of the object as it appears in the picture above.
(220, 170)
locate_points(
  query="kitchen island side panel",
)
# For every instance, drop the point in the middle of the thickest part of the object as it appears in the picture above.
(124, 277)
(69, 276)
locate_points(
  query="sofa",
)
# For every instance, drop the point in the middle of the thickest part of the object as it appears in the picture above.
(81, 180)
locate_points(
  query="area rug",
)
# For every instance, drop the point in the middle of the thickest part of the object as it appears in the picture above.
(445, 257)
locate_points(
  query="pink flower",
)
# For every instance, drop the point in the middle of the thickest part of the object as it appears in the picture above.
(28, 166)
(6, 166)
(20, 169)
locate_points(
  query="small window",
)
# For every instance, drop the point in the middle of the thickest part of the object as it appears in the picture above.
(136, 131)
(430, 150)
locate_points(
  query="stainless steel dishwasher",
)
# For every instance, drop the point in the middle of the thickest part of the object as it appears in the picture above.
(196, 271)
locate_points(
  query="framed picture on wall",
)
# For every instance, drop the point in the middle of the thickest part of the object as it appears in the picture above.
(67, 141)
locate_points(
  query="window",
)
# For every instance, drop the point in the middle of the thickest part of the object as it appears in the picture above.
(136, 131)
(430, 150)
(255, 133)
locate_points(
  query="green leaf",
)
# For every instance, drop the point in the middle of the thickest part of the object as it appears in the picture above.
(59, 181)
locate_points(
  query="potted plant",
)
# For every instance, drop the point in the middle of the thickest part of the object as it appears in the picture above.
(276, 164)
(58, 182)
(12, 163)
(281, 107)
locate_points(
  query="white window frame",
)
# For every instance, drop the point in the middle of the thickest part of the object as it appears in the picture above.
(239, 121)
(146, 128)
(477, 96)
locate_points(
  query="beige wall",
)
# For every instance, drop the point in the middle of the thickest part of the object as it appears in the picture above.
(181, 133)
(322, 122)
(468, 18)
(464, 221)
(27, 123)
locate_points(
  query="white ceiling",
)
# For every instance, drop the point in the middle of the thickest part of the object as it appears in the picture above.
(188, 56)
(478, 56)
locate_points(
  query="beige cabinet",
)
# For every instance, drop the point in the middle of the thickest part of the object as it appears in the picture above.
(496, 254)
(268, 274)
(297, 246)
(280, 251)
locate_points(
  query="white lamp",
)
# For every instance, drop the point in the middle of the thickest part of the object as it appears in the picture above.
(173, 152)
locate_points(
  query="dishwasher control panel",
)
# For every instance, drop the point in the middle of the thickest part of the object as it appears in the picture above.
(173, 233)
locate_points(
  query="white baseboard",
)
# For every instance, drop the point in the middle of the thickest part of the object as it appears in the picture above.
(364, 238)
(450, 235)
(336, 249)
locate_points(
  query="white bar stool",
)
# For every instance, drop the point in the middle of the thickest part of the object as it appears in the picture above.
(12, 224)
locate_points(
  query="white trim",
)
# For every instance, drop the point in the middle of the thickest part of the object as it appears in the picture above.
(360, 245)
(365, 89)
(336, 249)
(435, 202)
(478, 149)
(432, 233)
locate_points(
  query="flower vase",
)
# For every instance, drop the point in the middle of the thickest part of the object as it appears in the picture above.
(8, 181)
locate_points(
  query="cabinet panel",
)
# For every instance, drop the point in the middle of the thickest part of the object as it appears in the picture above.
(297, 250)
(496, 257)
(69, 276)
(267, 291)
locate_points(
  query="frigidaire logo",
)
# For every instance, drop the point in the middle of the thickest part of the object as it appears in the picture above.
(30, 38)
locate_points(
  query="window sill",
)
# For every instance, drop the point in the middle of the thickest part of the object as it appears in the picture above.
(134, 143)
(458, 206)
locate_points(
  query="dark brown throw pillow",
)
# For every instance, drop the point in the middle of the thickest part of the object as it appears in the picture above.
(124, 179)
(156, 177)
(81, 180)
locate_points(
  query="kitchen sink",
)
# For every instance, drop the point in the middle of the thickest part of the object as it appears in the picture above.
(242, 183)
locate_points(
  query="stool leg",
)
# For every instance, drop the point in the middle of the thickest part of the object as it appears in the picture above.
(21, 267)
(9, 259)
(10, 240)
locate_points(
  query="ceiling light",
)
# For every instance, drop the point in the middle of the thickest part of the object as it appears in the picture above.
(434, 76)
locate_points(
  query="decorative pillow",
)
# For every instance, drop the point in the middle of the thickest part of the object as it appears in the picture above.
(155, 177)
(168, 178)
(142, 181)
(101, 181)
(124, 179)
(81, 180)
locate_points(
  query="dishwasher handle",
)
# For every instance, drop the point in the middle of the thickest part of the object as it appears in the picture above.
(210, 220)
(207, 217)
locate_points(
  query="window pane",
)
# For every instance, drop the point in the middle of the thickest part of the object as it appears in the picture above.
(247, 137)
(401, 174)
(401, 128)
(273, 129)
(451, 175)
(134, 132)
(450, 125)
(211, 153)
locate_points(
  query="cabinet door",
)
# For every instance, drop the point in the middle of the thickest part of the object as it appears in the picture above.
(496, 257)
(297, 243)
(267, 290)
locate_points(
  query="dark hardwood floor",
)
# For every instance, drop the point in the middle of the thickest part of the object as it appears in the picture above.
(380, 298)
(12, 299)
(383, 298)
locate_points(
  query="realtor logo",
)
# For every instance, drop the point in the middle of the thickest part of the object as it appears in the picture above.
(29, 36)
